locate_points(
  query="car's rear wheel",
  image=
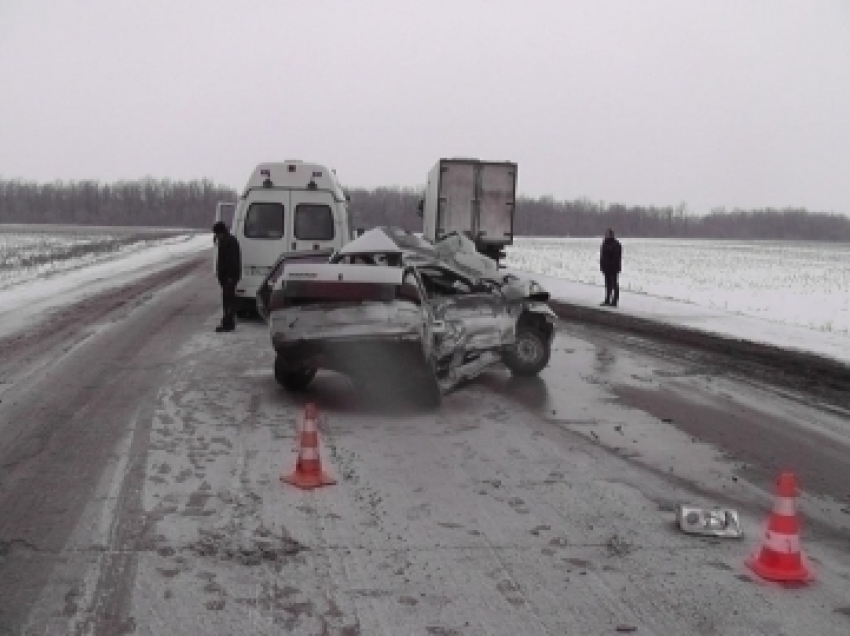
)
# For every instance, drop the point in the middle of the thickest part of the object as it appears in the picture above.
(530, 353)
(292, 380)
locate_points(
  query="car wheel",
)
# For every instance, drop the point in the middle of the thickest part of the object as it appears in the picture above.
(530, 353)
(292, 380)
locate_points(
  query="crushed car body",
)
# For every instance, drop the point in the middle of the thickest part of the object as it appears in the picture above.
(392, 306)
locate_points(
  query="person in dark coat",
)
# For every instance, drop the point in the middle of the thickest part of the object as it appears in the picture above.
(611, 262)
(229, 271)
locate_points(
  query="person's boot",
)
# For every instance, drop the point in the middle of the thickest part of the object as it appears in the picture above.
(604, 304)
(225, 326)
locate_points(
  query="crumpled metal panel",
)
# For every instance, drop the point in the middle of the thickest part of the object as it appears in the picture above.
(393, 320)
(715, 522)
(468, 317)
(474, 331)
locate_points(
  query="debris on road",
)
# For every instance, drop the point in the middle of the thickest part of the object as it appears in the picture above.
(617, 546)
(231, 544)
(714, 522)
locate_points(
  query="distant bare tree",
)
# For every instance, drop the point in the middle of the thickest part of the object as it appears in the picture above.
(150, 202)
(165, 203)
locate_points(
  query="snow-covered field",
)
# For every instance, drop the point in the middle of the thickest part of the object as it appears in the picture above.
(801, 284)
(42, 269)
(28, 253)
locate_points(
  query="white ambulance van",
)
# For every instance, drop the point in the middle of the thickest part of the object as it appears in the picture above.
(286, 207)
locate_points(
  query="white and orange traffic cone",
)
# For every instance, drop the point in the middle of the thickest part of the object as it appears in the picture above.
(308, 468)
(780, 558)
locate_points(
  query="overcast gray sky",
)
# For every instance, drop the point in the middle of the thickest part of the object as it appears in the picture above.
(736, 103)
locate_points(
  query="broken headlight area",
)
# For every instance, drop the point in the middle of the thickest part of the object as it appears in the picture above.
(715, 522)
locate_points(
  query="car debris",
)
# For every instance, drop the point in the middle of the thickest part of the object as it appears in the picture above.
(715, 522)
(391, 306)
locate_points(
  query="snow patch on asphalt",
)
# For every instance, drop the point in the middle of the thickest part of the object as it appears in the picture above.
(22, 305)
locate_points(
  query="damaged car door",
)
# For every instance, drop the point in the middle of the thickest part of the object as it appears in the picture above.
(472, 319)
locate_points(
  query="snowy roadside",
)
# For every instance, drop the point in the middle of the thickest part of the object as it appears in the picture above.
(22, 304)
(690, 316)
(789, 282)
(28, 302)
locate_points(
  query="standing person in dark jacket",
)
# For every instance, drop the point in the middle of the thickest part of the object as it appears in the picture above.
(610, 262)
(229, 270)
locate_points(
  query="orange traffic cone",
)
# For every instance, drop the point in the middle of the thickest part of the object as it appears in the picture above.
(780, 558)
(308, 469)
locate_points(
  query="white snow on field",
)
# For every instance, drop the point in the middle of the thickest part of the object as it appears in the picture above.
(803, 284)
(29, 253)
(790, 295)
(24, 303)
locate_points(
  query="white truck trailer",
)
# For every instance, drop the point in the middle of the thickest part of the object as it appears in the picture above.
(472, 197)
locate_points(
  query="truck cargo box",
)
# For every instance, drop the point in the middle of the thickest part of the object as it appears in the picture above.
(471, 197)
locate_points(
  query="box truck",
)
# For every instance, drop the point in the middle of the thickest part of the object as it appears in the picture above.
(472, 197)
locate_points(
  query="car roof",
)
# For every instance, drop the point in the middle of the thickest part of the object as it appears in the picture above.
(374, 241)
(413, 249)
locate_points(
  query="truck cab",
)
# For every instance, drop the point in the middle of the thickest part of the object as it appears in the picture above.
(291, 206)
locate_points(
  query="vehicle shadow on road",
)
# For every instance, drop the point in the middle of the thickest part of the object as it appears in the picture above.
(335, 393)
(531, 393)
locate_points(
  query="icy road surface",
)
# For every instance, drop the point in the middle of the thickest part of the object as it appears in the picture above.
(140, 456)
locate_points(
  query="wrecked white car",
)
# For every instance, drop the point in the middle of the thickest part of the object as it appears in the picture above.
(393, 309)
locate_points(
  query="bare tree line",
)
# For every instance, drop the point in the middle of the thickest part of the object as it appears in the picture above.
(146, 202)
(544, 216)
(165, 203)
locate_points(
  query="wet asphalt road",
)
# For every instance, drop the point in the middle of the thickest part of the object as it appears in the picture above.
(117, 446)
(769, 425)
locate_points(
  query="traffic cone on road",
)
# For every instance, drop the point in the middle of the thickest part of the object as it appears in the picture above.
(780, 558)
(308, 468)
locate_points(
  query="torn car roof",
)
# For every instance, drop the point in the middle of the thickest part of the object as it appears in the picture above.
(455, 252)
(375, 241)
